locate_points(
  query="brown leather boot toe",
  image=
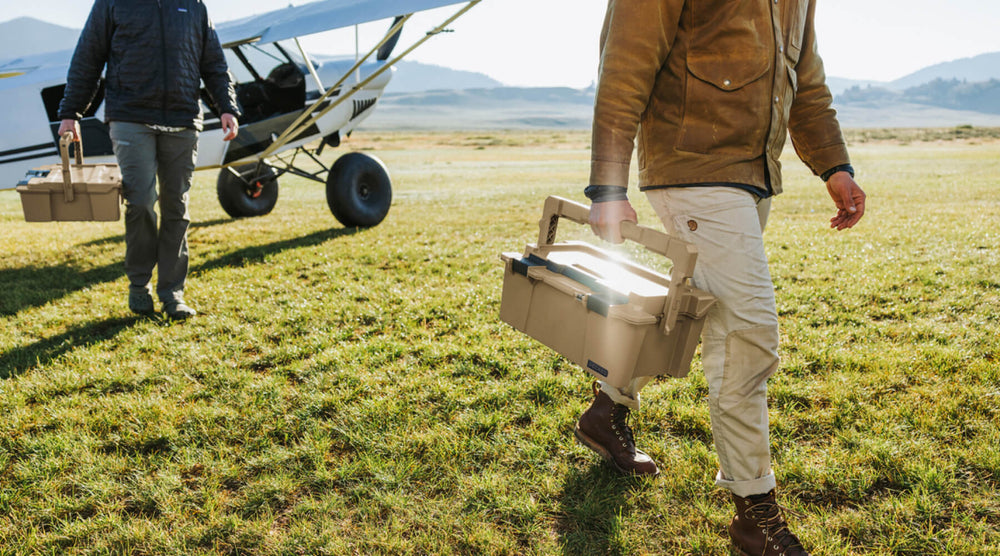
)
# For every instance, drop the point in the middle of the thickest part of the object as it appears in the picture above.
(760, 529)
(604, 429)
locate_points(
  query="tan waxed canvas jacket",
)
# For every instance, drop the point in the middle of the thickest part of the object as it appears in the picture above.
(711, 88)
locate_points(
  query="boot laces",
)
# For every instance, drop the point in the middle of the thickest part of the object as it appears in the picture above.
(769, 517)
(619, 422)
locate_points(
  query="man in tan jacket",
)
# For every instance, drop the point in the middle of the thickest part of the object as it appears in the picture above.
(711, 88)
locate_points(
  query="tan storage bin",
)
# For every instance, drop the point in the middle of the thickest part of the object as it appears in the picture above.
(616, 319)
(71, 192)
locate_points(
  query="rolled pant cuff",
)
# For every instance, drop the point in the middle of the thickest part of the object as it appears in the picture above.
(620, 397)
(763, 485)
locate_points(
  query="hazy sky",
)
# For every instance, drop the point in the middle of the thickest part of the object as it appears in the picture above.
(554, 42)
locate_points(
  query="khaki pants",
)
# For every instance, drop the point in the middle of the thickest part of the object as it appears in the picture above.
(143, 155)
(740, 336)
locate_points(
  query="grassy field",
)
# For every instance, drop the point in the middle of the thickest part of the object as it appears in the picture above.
(353, 391)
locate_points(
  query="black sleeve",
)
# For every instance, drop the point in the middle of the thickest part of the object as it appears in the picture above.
(89, 58)
(604, 193)
(841, 168)
(215, 72)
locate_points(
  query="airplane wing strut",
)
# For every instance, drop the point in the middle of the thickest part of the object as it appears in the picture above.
(312, 68)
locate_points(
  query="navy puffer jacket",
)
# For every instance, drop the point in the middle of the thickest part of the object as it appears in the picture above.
(157, 53)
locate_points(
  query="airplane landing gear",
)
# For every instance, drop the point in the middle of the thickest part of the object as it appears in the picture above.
(358, 190)
(247, 190)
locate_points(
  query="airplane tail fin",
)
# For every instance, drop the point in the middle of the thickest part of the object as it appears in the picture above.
(386, 50)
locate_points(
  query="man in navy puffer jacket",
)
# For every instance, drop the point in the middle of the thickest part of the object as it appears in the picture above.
(157, 53)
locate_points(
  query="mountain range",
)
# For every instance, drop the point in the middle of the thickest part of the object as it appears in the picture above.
(424, 96)
(974, 69)
(25, 36)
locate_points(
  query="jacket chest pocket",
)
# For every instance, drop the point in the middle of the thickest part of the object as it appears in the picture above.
(796, 12)
(726, 104)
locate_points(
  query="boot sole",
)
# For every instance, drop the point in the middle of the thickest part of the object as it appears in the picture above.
(737, 551)
(605, 455)
(180, 316)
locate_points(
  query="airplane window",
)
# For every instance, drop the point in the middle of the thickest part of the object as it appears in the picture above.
(261, 57)
(267, 54)
(240, 73)
(273, 84)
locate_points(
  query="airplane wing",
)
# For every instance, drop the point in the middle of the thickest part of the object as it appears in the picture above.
(316, 17)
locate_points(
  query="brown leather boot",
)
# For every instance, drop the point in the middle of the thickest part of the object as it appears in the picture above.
(604, 429)
(759, 528)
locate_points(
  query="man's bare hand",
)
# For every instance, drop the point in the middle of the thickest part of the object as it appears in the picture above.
(71, 126)
(848, 197)
(606, 219)
(230, 126)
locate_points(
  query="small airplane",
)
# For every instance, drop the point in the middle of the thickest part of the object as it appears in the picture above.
(289, 102)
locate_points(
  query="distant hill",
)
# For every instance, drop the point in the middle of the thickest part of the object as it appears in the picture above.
(981, 97)
(983, 67)
(415, 76)
(838, 85)
(556, 108)
(498, 96)
(25, 36)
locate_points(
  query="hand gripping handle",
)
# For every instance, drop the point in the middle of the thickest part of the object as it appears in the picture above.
(64, 142)
(681, 253)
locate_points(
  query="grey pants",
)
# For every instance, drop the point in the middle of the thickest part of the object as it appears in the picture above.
(144, 155)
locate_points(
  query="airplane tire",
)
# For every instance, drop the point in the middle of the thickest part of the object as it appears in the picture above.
(241, 200)
(358, 190)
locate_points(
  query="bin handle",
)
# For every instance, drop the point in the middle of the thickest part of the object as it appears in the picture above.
(557, 281)
(64, 142)
(681, 253)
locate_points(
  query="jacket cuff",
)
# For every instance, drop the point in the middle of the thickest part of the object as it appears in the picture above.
(821, 159)
(234, 110)
(605, 193)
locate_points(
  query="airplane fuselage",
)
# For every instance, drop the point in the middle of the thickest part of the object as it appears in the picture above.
(30, 91)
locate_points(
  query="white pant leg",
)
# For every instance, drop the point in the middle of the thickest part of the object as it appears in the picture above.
(740, 336)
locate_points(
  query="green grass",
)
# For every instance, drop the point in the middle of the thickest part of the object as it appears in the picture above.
(353, 391)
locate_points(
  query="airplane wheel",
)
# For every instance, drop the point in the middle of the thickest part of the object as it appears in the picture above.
(254, 197)
(358, 190)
